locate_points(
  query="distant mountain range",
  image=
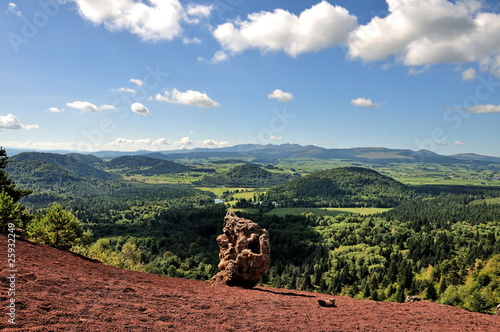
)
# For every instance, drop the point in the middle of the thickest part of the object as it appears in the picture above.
(270, 153)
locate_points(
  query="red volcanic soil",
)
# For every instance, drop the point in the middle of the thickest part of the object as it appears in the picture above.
(60, 291)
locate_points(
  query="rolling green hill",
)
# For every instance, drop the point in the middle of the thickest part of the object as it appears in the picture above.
(249, 176)
(78, 165)
(145, 165)
(52, 183)
(340, 187)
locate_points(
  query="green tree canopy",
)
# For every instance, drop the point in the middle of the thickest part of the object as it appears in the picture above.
(58, 228)
(6, 184)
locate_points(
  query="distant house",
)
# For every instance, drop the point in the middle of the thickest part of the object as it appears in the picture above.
(218, 201)
(276, 204)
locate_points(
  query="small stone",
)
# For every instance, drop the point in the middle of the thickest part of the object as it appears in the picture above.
(329, 303)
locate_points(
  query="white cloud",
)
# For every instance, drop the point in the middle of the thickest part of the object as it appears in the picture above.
(136, 81)
(106, 107)
(153, 20)
(469, 75)
(414, 71)
(481, 109)
(364, 102)
(188, 41)
(127, 90)
(276, 138)
(138, 144)
(139, 109)
(199, 10)
(281, 95)
(190, 97)
(12, 7)
(458, 143)
(491, 64)
(10, 121)
(441, 143)
(55, 110)
(210, 143)
(85, 106)
(316, 28)
(428, 32)
(219, 56)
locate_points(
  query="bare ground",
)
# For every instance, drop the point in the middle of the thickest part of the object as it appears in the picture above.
(60, 291)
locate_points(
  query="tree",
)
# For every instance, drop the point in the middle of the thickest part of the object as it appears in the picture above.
(11, 212)
(6, 184)
(58, 228)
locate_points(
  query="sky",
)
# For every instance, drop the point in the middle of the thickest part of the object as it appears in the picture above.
(90, 75)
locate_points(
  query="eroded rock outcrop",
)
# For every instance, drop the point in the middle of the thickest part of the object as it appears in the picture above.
(245, 252)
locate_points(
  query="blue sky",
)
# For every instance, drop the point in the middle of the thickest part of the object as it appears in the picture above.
(168, 74)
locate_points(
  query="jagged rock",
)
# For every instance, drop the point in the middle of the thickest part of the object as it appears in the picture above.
(411, 299)
(497, 311)
(245, 252)
(329, 303)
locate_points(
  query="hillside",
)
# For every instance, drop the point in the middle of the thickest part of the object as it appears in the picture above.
(145, 165)
(51, 182)
(245, 176)
(60, 291)
(344, 187)
(78, 165)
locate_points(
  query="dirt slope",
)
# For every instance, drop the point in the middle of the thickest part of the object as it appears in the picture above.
(59, 291)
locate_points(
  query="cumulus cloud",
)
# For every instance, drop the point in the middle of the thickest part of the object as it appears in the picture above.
(219, 56)
(478, 109)
(12, 7)
(281, 95)
(139, 109)
(469, 75)
(85, 106)
(153, 20)
(364, 102)
(136, 81)
(428, 32)
(319, 27)
(138, 144)
(55, 110)
(185, 141)
(126, 90)
(190, 97)
(10, 121)
(210, 143)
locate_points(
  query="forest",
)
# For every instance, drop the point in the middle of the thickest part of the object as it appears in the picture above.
(439, 242)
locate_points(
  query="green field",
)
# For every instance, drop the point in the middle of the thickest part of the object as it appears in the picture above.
(317, 211)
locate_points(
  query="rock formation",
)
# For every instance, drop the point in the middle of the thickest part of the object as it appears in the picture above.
(497, 311)
(244, 254)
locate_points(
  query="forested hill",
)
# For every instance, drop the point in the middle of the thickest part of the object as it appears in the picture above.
(79, 166)
(341, 187)
(245, 176)
(145, 165)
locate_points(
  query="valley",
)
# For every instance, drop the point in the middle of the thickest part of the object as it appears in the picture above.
(364, 225)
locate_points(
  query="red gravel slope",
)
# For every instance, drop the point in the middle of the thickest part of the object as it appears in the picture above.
(59, 291)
